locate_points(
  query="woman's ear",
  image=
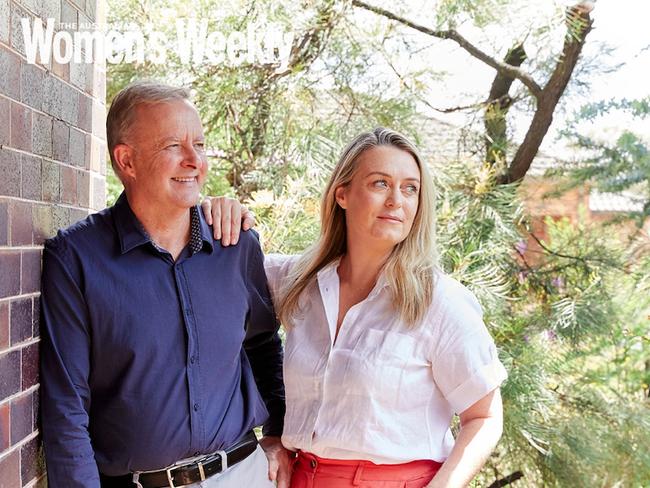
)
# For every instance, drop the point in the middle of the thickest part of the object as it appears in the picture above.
(123, 157)
(339, 195)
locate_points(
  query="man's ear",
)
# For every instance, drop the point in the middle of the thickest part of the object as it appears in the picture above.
(339, 195)
(123, 157)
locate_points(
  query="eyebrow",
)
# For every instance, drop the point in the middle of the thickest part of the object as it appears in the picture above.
(390, 176)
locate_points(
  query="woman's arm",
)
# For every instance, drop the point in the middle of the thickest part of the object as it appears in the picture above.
(480, 429)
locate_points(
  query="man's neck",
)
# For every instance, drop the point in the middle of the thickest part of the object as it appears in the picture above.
(169, 230)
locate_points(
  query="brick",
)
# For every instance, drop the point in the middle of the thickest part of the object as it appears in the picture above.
(68, 13)
(85, 117)
(9, 374)
(20, 221)
(61, 141)
(9, 74)
(30, 271)
(4, 21)
(36, 417)
(78, 148)
(83, 188)
(31, 84)
(5, 426)
(42, 135)
(70, 112)
(9, 173)
(43, 223)
(36, 332)
(21, 320)
(53, 95)
(91, 9)
(21, 418)
(60, 217)
(32, 463)
(61, 70)
(5, 106)
(4, 327)
(90, 77)
(50, 179)
(78, 74)
(17, 40)
(4, 223)
(98, 191)
(21, 127)
(99, 119)
(30, 365)
(31, 186)
(10, 266)
(52, 10)
(10, 470)
(68, 185)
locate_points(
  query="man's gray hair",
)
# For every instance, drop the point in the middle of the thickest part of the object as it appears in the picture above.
(120, 115)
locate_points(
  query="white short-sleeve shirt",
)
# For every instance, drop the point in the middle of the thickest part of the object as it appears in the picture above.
(382, 392)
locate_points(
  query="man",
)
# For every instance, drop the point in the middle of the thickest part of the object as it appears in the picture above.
(160, 349)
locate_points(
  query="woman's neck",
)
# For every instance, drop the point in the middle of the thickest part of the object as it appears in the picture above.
(361, 266)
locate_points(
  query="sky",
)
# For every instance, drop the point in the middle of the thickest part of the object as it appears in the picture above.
(620, 25)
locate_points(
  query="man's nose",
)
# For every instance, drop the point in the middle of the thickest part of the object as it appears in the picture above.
(192, 156)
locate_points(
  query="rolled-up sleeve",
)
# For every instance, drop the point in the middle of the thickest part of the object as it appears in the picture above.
(65, 368)
(465, 363)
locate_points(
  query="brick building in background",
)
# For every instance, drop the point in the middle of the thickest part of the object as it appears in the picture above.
(52, 173)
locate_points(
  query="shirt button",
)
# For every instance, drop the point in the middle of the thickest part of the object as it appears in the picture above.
(196, 453)
(313, 464)
(192, 359)
(196, 407)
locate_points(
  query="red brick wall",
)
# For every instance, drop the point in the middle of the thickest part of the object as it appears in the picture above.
(52, 173)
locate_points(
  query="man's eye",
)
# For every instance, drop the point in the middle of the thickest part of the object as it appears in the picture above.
(172, 146)
(380, 183)
(200, 146)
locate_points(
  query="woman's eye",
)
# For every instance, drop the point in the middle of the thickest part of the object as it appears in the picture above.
(380, 183)
(411, 189)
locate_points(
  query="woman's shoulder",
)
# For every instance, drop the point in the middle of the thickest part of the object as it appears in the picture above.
(277, 260)
(452, 299)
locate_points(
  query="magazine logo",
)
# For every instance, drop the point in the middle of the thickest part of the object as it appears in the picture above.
(193, 44)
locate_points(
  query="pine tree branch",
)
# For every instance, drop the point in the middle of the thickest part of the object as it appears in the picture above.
(505, 69)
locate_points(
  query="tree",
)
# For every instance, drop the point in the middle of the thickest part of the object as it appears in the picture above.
(499, 100)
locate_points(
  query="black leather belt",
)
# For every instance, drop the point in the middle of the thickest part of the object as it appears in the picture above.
(186, 474)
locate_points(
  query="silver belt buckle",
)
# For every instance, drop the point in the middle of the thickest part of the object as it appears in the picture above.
(224, 460)
(136, 479)
(169, 477)
(201, 471)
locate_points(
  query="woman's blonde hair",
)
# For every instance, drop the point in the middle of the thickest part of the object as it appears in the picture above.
(410, 268)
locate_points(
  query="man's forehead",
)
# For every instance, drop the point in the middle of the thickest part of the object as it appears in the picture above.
(166, 117)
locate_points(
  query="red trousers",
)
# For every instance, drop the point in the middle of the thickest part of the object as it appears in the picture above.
(311, 471)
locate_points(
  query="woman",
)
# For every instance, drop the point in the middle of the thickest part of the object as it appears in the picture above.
(382, 348)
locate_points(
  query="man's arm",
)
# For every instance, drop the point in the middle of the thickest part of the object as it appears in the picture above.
(65, 367)
(262, 343)
(264, 349)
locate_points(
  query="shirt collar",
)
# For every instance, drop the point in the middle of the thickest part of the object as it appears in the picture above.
(132, 233)
(328, 274)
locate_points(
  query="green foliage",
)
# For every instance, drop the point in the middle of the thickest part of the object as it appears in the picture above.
(611, 166)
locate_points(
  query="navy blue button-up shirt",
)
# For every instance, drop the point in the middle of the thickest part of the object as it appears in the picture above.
(146, 360)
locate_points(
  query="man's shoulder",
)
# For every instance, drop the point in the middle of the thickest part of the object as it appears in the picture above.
(87, 233)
